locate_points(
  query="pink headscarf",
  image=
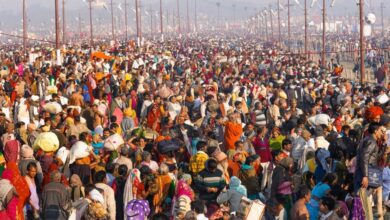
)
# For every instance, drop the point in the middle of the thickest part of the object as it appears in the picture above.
(183, 189)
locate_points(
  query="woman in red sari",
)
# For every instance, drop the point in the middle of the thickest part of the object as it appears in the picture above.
(154, 117)
(12, 174)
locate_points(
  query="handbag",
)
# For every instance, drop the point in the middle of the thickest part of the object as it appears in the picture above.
(374, 176)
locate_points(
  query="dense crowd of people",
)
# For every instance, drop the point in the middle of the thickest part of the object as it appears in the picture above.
(196, 128)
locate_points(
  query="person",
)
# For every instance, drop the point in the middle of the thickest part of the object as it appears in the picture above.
(8, 200)
(118, 187)
(233, 131)
(12, 174)
(198, 161)
(100, 181)
(368, 155)
(319, 191)
(184, 195)
(166, 185)
(123, 158)
(276, 139)
(299, 210)
(327, 206)
(249, 177)
(33, 203)
(232, 195)
(199, 208)
(56, 202)
(96, 208)
(210, 181)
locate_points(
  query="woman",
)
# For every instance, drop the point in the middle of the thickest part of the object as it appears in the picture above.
(276, 139)
(262, 148)
(320, 191)
(183, 197)
(282, 182)
(33, 203)
(154, 118)
(26, 157)
(165, 193)
(131, 187)
(77, 189)
(118, 186)
(12, 174)
(249, 178)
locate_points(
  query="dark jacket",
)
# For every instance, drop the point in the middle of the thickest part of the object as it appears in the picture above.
(280, 174)
(56, 202)
(367, 154)
(249, 179)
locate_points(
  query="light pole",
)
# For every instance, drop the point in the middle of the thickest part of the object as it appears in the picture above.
(323, 33)
(196, 17)
(218, 19)
(112, 21)
(126, 5)
(306, 55)
(57, 24)
(362, 44)
(63, 23)
(188, 19)
(90, 22)
(272, 26)
(178, 15)
(280, 34)
(24, 28)
(161, 19)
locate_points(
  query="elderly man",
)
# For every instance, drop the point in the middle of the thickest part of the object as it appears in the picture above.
(56, 201)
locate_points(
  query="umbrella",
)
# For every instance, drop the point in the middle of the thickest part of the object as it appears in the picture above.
(113, 142)
(53, 107)
(79, 150)
(166, 146)
(47, 141)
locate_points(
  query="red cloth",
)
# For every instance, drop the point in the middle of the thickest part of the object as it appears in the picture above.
(12, 174)
(11, 150)
(233, 133)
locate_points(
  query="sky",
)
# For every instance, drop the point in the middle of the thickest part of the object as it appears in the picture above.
(41, 12)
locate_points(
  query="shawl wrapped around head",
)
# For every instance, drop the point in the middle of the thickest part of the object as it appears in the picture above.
(183, 189)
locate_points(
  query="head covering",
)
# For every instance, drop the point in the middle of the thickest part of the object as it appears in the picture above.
(75, 180)
(96, 196)
(26, 152)
(235, 184)
(183, 189)
(286, 162)
(373, 112)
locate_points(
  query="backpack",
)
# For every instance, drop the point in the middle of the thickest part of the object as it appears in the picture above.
(137, 209)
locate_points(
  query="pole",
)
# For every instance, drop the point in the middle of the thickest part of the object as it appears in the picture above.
(218, 19)
(362, 45)
(234, 13)
(280, 34)
(272, 23)
(112, 21)
(306, 42)
(57, 25)
(137, 19)
(161, 19)
(126, 5)
(63, 23)
(188, 19)
(90, 22)
(79, 26)
(382, 19)
(196, 18)
(323, 61)
(151, 22)
(289, 27)
(178, 16)
(266, 25)
(24, 28)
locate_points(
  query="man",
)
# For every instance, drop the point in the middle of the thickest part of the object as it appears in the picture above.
(299, 210)
(123, 158)
(210, 181)
(100, 180)
(368, 155)
(77, 98)
(197, 161)
(56, 201)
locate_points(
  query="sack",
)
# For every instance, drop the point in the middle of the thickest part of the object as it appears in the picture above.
(375, 176)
